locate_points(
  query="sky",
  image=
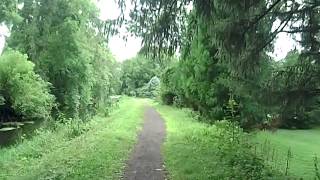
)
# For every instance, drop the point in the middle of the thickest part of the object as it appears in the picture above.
(123, 50)
(3, 32)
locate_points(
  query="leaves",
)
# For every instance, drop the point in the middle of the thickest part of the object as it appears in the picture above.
(22, 88)
(62, 40)
(136, 73)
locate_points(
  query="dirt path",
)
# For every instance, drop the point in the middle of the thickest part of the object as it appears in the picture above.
(146, 161)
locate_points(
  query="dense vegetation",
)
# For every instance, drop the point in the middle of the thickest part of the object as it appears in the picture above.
(224, 49)
(302, 147)
(225, 70)
(223, 151)
(22, 90)
(139, 77)
(57, 68)
(99, 153)
(66, 70)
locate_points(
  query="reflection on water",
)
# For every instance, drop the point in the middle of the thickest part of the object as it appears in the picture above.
(11, 132)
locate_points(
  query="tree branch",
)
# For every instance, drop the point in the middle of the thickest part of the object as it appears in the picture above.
(282, 25)
(266, 12)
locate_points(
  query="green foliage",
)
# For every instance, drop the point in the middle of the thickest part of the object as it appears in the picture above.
(294, 86)
(303, 144)
(8, 11)
(99, 152)
(224, 46)
(168, 87)
(220, 151)
(73, 128)
(204, 82)
(2, 100)
(151, 89)
(137, 74)
(106, 79)
(22, 89)
(237, 153)
(316, 164)
(64, 41)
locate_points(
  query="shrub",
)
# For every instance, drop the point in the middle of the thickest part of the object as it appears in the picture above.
(168, 98)
(236, 154)
(21, 89)
(151, 89)
(136, 75)
(168, 90)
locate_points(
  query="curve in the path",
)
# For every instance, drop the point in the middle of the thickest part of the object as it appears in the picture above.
(146, 161)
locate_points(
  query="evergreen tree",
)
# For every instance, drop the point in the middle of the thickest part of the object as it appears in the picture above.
(224, 51)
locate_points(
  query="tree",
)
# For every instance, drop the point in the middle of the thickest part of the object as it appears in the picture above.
(8, 11)
(294, 87)
(136, 73)
(204, 82)
(23, 94)
(229, 41)
(63, 40)
(298, 90)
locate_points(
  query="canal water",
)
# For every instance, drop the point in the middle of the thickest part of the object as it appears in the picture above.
(13, 132)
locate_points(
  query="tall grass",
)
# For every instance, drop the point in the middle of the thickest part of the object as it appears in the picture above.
(196, 151)
(95, 150)
(290, 151)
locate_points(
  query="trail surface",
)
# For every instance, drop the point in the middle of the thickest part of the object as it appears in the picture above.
(146, 162)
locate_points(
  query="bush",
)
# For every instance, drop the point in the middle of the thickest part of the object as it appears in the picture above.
(237, 155)
(21, 89)
(218, 151)
(136, 75)
(151, 89)
(168, 98)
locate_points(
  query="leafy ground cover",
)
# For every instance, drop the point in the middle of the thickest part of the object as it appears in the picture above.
(97, 153)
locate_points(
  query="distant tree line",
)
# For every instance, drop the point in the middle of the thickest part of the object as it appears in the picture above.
(140, 77)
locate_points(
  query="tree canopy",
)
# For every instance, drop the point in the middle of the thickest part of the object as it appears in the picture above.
(224, 50)
(65, 42)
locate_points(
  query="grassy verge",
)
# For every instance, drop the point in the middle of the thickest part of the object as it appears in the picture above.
(197, 151)
(183, 157)
(303, 145)
(98, 153)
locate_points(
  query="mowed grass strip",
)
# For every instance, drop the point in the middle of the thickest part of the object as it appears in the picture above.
(304, 145)
(99, 153)
(187, 153)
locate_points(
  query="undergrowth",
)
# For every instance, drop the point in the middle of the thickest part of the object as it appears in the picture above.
(293, 152)
(196, 150)
(76, 150)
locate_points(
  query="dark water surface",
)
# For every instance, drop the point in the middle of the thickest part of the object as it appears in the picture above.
(12, 132)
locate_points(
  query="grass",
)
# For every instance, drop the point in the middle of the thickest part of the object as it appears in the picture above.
(197, 151)
(303, 144)
(184, 159)
(98, 153)
(192, 150)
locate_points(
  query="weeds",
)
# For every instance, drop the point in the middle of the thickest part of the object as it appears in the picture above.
(93, 150)
(289, 157)
(316, 167)
(219, 151)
